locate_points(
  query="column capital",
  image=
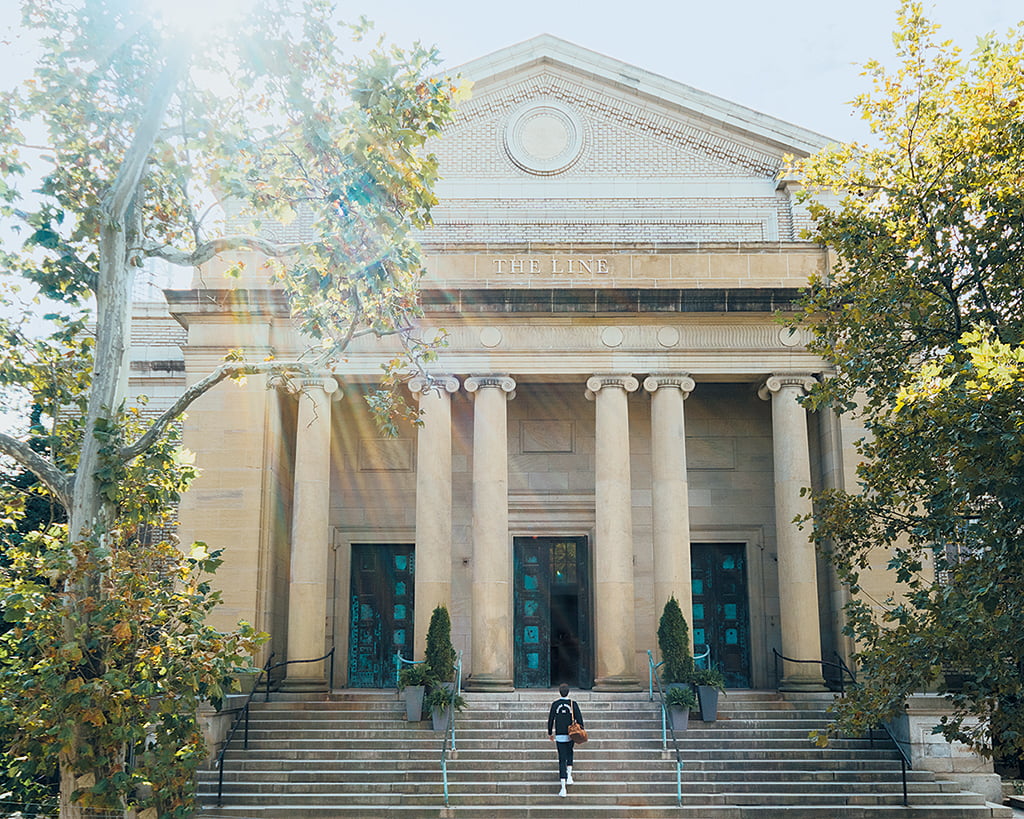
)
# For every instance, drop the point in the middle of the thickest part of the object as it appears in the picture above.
(505, 383)
(598, 382)
(679, 381)
(778, 381)
(297, 383)
(422, 384)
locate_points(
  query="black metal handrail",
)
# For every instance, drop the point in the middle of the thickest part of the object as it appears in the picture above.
(243, 712)
(905, 761)
(666, 720)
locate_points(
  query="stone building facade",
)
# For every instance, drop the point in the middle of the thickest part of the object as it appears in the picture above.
(615, 419)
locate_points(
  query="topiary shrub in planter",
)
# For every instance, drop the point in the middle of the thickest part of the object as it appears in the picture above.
(679, 702)
(674, 644)
(709, 683)
(413, 681)
(439, 703)
(440, 654)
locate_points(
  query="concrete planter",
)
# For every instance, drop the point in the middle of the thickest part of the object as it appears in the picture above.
(680, 718)
(414, 702)
(707, 695)
(440, 718)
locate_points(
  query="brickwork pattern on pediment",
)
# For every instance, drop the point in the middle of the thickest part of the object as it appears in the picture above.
(606, 220)
(473, 137)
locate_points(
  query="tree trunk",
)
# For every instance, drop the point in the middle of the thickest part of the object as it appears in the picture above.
(92, 512)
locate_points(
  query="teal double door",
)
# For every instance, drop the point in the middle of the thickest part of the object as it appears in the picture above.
(383, 580)
(721, 612)
(553, 634)
(553, 640)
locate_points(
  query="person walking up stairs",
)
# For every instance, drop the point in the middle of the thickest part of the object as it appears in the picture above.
(561, 715)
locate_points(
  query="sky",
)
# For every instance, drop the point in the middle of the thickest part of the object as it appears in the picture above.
(797, 60)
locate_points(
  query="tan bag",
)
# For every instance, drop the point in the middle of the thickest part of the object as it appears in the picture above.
(577, 733)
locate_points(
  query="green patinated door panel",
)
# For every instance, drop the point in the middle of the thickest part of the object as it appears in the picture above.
(552, 641)
(721, 616)
(380, 612)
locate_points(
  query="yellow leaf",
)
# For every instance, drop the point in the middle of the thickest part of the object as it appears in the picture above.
(123, 631)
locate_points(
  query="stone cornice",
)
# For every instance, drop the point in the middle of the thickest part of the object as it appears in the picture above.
(725, 116)
(477, 301)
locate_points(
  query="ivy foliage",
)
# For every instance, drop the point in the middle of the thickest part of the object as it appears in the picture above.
(922, 319)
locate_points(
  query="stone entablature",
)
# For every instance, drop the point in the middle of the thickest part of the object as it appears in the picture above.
(771, 265)
(698, 266)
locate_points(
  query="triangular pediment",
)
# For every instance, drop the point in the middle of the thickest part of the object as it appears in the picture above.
(561, 144)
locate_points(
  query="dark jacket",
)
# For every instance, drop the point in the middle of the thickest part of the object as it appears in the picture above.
(560, 716)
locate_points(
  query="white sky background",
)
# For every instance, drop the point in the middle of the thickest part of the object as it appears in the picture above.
(797, 60)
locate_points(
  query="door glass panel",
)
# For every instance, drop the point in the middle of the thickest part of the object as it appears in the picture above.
(563, 563)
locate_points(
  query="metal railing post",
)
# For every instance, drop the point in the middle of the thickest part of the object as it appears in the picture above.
(665, 724)
(244, 712)
(449, 729)
(844, 669)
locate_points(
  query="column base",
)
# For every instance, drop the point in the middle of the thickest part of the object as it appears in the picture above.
(619, 682)
(797, 683)
(304, 685)
(487, 683)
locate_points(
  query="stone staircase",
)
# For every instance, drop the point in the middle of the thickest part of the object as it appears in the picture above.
(352, 754)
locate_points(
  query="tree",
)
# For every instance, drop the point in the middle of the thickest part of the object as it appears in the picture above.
(145, 132)
(922, 321)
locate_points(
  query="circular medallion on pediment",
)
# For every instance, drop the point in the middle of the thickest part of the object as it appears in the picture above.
(544, 137)
(668, 336)
(790, 337)
(490, 336)
(612, 336)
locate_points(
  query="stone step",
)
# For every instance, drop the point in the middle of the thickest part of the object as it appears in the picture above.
(594, 753)
(274, 771)
(322, 731)
(555, 808)
(354, 755)
(667, 798)
(739, 792)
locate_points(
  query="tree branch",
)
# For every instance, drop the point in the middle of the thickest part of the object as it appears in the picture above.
(226, 370)
(126, 185)
(207, 250)
(59, 483)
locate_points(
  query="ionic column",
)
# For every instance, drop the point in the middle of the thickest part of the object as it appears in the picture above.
(307, 588)
(798, 577)
(614, 600)
(670, 495)
(492, 561)
(433, 501)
